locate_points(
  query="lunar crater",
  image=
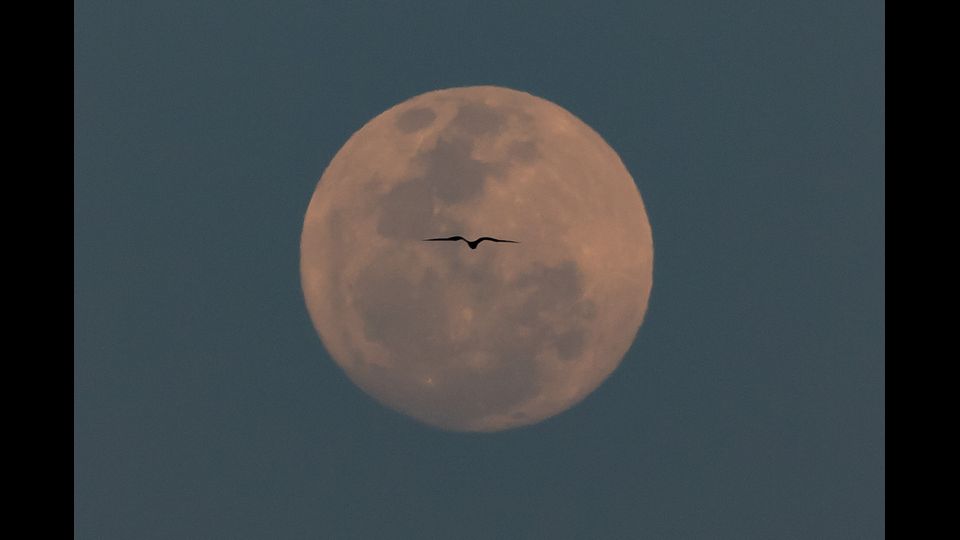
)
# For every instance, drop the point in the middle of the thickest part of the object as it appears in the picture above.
(416, 119)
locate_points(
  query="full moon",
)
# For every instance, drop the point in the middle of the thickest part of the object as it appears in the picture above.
(484, 339)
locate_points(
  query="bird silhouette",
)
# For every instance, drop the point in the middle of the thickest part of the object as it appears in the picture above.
(473, 245)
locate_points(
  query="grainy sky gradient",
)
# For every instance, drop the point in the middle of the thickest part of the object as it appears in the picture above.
(751, 405)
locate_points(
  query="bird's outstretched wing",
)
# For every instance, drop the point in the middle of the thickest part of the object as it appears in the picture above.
(452, 238)
(478, 240)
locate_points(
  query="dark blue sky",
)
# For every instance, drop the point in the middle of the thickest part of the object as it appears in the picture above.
(750, 406)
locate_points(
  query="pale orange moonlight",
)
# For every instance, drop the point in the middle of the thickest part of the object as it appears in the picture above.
(497, 337)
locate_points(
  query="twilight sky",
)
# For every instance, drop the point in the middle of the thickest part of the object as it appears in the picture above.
(750, 406)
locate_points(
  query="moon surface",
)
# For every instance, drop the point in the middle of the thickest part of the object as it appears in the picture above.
(501, 336)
